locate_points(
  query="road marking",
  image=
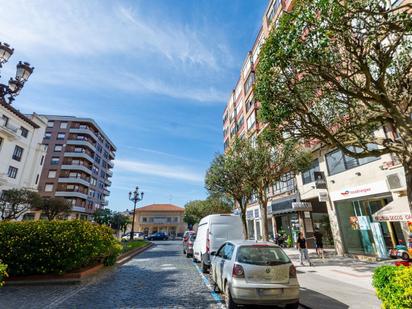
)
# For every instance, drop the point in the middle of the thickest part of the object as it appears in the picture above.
(215, 296)
(166, 265)
(168, 268)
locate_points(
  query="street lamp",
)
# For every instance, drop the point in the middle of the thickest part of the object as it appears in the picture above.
(23, 73)
(135, 197)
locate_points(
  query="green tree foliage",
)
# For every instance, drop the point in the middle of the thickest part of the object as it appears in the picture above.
(102, 216)
(54, 207)
(267, 164)
(227, 176)
(337, 71)
(15, 202)
(196, 210)
(119, 221)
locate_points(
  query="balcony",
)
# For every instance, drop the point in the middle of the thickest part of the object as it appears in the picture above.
(111, 154)
(110, 163)
(79, 142)
(108, 182)
(79, 208)
(11, 131)
(105, 203)
(84, 130)
(109, 173)
(79, 155)
(71, 194)
(106, 192)
(77, 167)
(75, 180)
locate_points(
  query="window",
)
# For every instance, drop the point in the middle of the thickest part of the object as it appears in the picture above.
(41, 160)
(18, 153)
(308, 175)
(63, 125)
(52, 174)
(249, 82)
(58, 148)
(262, 255)
(50, 124)
(338, 162)
(99, 148)
(176, 219)
(48, 187)
(240, 123)
(1, 142)
(47, 135)
(37, 179)
(12, 172)
(251, 121)
(144, 219)
(228, 251)
(97, 159)
(249, 104)
(55, 160)
(24, 132)
(6, 120)
(61, 136)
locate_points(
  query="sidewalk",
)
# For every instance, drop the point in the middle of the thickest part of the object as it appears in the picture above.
(336, 282)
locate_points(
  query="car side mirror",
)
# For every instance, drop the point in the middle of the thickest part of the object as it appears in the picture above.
(213, 253)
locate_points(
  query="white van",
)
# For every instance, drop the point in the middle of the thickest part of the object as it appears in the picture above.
(212, 232)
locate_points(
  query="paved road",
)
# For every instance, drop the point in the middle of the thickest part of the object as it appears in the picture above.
(158, 278)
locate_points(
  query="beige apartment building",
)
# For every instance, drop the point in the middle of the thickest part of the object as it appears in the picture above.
(358, 204)
(154, 218)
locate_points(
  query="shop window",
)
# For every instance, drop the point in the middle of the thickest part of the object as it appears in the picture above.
(308, 175)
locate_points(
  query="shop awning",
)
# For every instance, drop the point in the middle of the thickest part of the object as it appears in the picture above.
(397, 210)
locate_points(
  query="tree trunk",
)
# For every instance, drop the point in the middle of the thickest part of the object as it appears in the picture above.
(408, 176)
(244, 219)
(264, 216)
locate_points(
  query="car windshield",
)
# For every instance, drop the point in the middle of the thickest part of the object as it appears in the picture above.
(262, 255)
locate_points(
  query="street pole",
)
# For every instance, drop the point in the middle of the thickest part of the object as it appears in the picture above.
(135, 197)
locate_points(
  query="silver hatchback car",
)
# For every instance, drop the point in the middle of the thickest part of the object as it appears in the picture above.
(259, 273)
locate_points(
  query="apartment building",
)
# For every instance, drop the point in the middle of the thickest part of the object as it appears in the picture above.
(358, 204)
(78, 165)
(21, 151)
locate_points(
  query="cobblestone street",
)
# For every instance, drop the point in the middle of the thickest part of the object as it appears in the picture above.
(158, 278)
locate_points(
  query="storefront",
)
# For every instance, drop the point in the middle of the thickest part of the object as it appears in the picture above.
(358, 210)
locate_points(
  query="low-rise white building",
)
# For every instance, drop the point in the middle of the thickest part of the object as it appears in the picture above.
(21, 150)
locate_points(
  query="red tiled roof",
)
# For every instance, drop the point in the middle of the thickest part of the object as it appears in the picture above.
(161, 207)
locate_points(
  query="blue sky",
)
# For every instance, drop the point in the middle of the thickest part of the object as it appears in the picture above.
(154, 74)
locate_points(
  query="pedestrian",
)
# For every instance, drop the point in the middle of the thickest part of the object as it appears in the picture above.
(319, 243)
(301, 245)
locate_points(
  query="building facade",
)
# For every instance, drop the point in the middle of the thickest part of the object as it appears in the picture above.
(78, 165)
(154, 218)
(21, 151)
(354, 202)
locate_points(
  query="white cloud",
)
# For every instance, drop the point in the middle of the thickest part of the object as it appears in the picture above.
(154, 169)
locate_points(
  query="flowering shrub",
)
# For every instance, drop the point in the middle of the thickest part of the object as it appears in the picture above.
(3, 273)
(40, 247)
(393, 286)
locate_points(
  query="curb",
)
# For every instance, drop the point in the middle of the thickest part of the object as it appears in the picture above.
(74, 277)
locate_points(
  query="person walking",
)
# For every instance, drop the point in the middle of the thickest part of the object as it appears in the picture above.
(301, 245)
(319, 243)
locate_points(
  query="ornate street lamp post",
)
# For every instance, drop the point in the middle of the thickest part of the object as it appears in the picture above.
(16, 84)
(135, 197)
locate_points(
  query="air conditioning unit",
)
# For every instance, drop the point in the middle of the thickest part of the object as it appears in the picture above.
(396, 182)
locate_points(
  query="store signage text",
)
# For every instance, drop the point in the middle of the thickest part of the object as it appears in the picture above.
(394, 217)
(363, 190)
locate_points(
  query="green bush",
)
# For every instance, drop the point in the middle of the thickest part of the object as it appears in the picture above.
(40, 247)
(393, 286)
(3, 273)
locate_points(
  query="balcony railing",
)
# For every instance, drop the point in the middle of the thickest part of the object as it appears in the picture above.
(75, 180)
(10, 130)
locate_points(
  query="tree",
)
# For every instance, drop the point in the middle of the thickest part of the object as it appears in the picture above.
(227, 176)
(337, 72)
(15, 202)
(267, 164)
(198, 209)
(119, 221)
(103, 216)
(53, 207)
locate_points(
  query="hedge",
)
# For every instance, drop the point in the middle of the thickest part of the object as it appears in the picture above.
(55, 247)
(393, 286)
(3, 273)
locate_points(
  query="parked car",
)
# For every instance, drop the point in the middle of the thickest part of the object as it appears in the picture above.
(136, 235)
(252, 273)
(188, 245)
(158, 236)
(212, 232)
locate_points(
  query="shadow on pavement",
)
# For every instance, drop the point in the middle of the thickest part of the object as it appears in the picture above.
(314, 300)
